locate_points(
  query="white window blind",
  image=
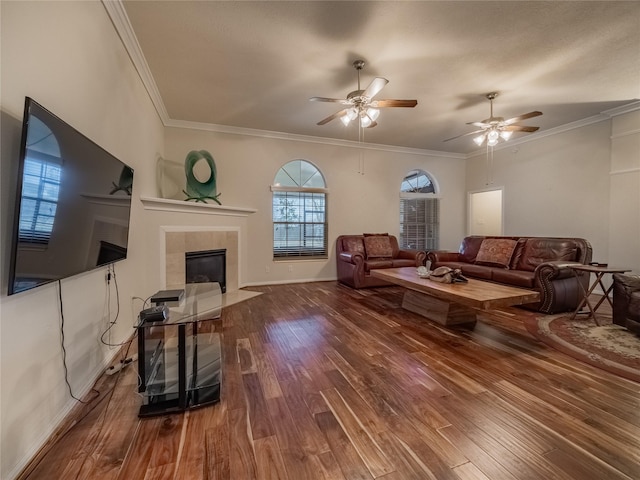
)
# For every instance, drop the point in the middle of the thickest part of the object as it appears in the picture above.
(419, 223)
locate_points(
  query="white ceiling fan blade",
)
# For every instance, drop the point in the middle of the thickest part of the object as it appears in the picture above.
(479, 124)
(332, 117)
(374, 87)
(333, 100)
(464, 135)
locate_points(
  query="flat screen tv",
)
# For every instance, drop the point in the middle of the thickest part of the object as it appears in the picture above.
(73, 203)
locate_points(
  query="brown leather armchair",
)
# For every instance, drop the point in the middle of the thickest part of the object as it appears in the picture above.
(357, 255)
(626, 301)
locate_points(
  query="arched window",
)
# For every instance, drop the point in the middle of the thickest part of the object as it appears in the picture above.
(419, 212)
(299, 206)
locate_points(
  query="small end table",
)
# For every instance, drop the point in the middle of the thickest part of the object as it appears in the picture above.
(599, 273)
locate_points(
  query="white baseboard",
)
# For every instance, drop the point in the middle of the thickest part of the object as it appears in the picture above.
(286, 282)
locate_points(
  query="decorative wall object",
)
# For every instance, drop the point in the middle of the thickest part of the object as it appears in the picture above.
(203, 188)
(170, 179)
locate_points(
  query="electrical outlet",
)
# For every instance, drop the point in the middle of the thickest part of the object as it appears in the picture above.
(267, 269)
(291, 268)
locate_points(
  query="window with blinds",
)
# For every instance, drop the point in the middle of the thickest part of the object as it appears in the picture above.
(299, 211)
(40, 190)
(419, 212)
(419, 223)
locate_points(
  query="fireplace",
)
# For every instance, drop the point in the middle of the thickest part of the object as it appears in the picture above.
(207, 266)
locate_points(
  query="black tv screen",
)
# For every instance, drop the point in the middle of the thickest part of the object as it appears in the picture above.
(73, 203)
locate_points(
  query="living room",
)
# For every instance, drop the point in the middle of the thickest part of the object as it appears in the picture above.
(579, 180)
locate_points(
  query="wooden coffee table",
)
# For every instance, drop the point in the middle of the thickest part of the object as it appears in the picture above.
(455, 303)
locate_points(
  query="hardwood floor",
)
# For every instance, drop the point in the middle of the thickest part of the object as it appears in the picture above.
(324, 382)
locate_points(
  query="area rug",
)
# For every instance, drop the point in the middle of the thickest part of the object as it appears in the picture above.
(608, 346)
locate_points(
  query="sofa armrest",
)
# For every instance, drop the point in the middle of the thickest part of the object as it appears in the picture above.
(556, 269)
(438, 256)
(560, 286)
(351, 257)
(419, 256)
(623, 286)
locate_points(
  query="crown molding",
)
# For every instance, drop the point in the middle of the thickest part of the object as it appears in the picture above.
(629, 107)
(120, 20)
(115, 10)
(209, 127)
(601, 117)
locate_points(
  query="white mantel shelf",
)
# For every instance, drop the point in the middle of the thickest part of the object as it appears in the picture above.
(181, 206)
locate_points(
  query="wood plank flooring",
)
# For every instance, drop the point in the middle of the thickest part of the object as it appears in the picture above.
(324, 382)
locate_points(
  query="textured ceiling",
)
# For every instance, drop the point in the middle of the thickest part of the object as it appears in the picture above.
(256, 64)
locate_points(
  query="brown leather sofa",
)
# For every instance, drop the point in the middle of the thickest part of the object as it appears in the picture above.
(626, 301)
(357, 255)
(536, 263)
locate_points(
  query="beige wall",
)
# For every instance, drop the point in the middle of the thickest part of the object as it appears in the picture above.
(68, 57)
(368, 202)
(624, 178)
(557, 185)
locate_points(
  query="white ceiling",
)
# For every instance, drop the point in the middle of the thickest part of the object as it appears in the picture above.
(255, 65)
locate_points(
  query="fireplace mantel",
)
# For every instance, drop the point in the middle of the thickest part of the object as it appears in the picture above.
(180, 206)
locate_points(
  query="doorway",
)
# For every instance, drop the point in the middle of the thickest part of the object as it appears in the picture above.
(485, 212)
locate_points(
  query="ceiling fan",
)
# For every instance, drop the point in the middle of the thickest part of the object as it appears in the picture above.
(493, 128)
(359, 104)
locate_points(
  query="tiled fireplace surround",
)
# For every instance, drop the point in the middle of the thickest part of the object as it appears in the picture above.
(179, 240)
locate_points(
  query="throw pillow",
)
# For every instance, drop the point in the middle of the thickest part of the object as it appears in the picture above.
(353, 244)
(496, 252)
(378, 246)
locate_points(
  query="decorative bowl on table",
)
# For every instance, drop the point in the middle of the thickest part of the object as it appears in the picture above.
(423, 272)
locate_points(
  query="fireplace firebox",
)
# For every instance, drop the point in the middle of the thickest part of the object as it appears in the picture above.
(207, 266)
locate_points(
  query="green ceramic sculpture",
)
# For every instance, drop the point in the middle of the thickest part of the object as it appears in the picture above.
(197, 190)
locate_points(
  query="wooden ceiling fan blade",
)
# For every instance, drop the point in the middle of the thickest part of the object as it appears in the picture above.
(333, 100)
(374, 87)
(373, 124)
(394, 103)
(519, 128)
(332, 117)
(524, 116)
(479, 124)
(464, 135)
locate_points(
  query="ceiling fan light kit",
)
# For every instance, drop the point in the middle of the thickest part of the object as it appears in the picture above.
(494, 129)
(360, 104)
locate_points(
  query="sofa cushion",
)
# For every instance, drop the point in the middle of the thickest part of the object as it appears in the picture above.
(403, 262)
(353, 244)
(517, 278)
(517, 253)
(375, 263)
(496, 252)
(378, 246)
(478, 271)
(541, 250)
(469, 248)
